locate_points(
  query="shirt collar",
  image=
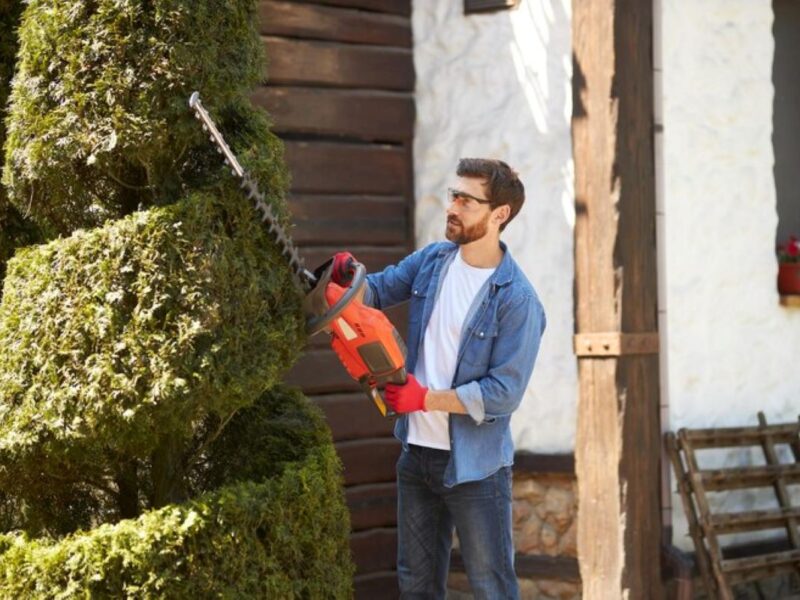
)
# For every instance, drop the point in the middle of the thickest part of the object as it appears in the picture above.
(505, 270)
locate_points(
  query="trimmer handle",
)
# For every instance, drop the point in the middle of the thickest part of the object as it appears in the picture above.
(399, 377)
(317, 324)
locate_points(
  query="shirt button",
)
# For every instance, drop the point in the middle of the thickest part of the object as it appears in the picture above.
(480, 334)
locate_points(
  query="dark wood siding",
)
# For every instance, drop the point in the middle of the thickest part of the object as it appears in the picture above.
(340, 82)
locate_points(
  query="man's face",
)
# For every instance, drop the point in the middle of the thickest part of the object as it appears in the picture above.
(467, 218)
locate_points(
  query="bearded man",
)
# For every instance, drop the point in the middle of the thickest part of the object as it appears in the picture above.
(475, 324)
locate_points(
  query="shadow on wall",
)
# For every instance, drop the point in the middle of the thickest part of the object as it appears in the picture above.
(786, 116)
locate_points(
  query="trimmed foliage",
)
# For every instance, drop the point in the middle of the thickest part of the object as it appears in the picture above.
(282, 535)
(10, 11)
(14, 230)
(98, 126)
(121, 337)
(132, 353)
(259, 441)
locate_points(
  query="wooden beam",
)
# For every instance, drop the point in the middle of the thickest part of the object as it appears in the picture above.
(291, 19)
(348, 220)
(372, 505)
(374, 550)
(307, 62)
(368, 115)
(547, 464)
(369, 461)
(340, 168)
(618, 445)
(534, 566)
(353, 416)
(382, 584)
(395, 7)
(615, 344)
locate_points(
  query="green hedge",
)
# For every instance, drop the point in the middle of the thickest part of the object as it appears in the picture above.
(117, 338)
(98, 123)
(284, 536)
(14, 230)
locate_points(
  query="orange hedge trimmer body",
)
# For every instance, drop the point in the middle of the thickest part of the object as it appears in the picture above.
(367, 344)
(365, 341)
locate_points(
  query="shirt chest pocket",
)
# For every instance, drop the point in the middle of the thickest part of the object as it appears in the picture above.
(416, 304)
(480, 342)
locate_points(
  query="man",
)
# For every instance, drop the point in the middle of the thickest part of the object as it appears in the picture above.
(475, 323)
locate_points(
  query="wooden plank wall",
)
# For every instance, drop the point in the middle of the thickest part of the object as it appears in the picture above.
(340, 91)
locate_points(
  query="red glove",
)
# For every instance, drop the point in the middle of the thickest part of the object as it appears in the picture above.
(343, 266)
(406, 398)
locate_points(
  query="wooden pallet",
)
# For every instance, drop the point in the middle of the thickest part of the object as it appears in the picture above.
(720, 573)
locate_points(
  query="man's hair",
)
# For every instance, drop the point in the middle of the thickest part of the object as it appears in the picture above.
(501, 182)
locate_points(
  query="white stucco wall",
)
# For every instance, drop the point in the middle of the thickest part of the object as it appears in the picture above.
(732, 349)
(499, 86)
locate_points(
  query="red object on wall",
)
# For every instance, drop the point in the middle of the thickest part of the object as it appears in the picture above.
(789, 278)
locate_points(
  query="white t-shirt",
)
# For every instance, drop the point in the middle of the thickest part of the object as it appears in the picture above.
(436, 365)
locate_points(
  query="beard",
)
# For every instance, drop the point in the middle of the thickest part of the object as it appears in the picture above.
(458, 234)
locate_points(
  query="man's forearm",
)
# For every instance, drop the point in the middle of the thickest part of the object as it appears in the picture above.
(444, 400)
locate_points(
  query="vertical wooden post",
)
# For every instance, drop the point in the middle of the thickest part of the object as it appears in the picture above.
(618, 441)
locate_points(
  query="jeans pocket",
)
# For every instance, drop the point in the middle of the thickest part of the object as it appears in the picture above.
(503, 483)
(398, 467)
(406, 463)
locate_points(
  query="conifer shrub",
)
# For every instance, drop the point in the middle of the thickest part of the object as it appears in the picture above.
(118, 338)
(145, 450)
(276, 532)
(15, 231)
(10, 11)
(98, 124)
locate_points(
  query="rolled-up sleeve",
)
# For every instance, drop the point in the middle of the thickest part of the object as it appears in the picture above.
(513, 356)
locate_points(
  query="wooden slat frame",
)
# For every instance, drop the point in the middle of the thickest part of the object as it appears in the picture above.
(740, 570)
(728, 437)
(747, 477)
(685, 490)
(720, 573)
(768, 445)
(701, 502)
(753, 520)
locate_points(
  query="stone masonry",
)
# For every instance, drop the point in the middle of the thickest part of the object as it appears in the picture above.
(545, 523)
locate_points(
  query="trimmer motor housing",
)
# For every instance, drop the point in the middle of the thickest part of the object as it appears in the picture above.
(367, 344)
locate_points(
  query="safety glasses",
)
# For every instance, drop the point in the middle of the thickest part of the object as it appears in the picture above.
(463, 198)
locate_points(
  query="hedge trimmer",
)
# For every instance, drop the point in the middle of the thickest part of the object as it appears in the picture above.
(366, 342)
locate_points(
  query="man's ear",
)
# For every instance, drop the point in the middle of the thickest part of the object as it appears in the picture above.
(501, 213)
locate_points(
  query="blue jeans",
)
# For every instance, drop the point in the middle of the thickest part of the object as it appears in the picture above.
(427, 512)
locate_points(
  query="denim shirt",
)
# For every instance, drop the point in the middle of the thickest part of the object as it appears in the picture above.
(498, 347)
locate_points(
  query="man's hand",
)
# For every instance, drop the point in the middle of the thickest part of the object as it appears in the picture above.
(406, 398)
(343, 266)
